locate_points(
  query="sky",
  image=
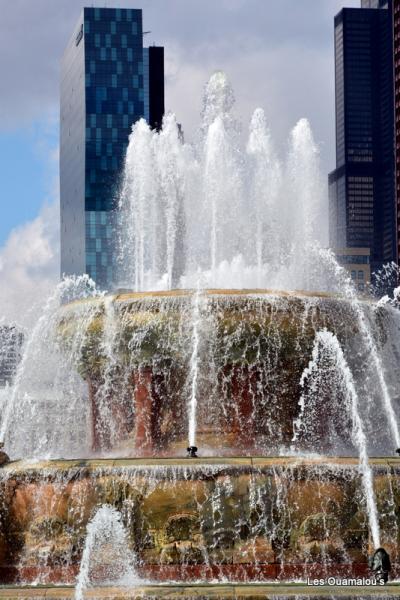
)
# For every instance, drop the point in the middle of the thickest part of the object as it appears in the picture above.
(278, 54)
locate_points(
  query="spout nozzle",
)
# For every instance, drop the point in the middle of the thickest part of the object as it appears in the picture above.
(192, 451)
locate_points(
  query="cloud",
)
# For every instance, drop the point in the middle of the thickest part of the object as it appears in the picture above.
(273, 93)
(29, 266)
(279, 54)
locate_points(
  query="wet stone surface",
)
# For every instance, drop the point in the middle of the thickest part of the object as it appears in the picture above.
(185, 521)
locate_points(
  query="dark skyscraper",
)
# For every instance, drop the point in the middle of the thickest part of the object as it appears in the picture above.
(108, 82)
(362, 187)
(396, 53)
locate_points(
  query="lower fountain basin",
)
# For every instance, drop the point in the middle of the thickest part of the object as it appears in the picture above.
(239, 519)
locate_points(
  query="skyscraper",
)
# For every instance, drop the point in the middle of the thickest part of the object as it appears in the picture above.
(396, 53)
(362, 187)
(108, 81)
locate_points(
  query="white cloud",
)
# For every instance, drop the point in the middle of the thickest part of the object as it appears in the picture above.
(29, 266)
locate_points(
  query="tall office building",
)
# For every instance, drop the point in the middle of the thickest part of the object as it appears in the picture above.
(362, 187)
(108, 81)
(396, 53)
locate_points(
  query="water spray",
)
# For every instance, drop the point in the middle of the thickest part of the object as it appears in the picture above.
(194, 373)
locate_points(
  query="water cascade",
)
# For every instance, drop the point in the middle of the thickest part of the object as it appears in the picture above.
(328, 353)
(348, 290)
(32, 424)
(106, 423)
(194, 369)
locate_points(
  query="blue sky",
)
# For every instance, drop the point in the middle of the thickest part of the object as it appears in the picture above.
(278, 55)
(29, 172)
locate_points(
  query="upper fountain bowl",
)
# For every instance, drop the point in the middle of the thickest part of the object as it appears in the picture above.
(136, 353)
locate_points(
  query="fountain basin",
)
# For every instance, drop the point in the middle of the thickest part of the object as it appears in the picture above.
(239, 519)
(135, 351)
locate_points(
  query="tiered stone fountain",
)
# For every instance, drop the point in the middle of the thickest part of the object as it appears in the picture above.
(290, 397)
(242, 512)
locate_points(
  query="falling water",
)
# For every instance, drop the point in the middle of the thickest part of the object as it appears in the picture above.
(349, 291)
(43, 404)
(327, 347)
(105, 425)
(194, 367)
(106, 557)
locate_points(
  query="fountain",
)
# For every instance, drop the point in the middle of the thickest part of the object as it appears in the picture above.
(215, 427)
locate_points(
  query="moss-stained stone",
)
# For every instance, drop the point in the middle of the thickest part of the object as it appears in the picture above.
(257, 519)
(256, 346)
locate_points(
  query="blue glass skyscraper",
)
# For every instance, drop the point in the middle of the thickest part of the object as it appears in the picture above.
(108, 81)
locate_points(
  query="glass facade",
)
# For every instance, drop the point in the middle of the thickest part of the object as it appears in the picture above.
(106, 76)
(337, 209)
(362, 193)
(396, 38)
(339, 95)
(359, 29)
(360, 211)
